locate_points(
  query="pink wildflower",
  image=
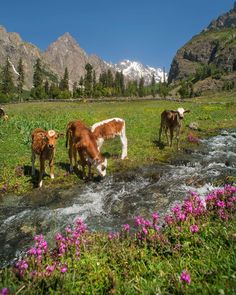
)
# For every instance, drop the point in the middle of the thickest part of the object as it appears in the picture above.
(126, 227)
(185, 277)
(194, 228)
(145, 231)
(64, 269)
(4, 291)
(155, 216)
(220, 204)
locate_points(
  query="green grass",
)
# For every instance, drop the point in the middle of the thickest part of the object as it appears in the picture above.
(142, 124)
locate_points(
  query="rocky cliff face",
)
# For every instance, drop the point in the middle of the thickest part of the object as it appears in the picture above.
(215, 45)
(66, 52)
(12, 46)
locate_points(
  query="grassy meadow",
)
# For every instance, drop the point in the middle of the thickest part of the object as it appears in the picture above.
(142, 127)
(192, 252)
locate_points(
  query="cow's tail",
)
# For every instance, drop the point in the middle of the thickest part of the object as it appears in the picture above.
(68, 135)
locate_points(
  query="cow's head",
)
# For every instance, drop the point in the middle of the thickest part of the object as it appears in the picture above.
(51, 139)
(181, 112)
(101, 166)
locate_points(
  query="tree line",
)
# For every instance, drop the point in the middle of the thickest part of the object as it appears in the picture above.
(108, 84)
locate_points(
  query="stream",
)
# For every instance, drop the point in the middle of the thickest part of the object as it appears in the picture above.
(117, 199)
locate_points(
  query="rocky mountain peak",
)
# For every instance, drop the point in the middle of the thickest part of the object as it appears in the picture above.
(67, 38)
(226, 20)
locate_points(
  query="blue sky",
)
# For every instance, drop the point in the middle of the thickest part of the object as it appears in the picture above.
(149, 31)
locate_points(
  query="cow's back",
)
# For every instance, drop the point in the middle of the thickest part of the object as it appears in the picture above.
(108, 129)
(38, 141)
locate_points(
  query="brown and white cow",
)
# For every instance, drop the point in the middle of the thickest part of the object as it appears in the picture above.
(82, 140)
(109, 129)
(171, 121)
(43, 145)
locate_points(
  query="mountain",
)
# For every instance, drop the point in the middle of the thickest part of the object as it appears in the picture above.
(215, 46)
(13, 47)
(66, 52)
(134, 70)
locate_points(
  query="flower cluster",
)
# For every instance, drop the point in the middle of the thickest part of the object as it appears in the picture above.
(184, 219)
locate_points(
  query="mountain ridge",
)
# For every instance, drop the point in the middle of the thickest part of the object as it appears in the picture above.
(214, 47)
(61, 53)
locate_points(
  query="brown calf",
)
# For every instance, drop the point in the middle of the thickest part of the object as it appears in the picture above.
(43, 145)
(109, 129)
(82, 140)
(172, 121)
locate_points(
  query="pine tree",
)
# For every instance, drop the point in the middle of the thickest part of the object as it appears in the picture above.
(46, 88)
(109, 78)
(94, 79)
(141, 87)
(64, 84)
(21, 78)
(38, 75)
(7, 79)
(88, 80)
(153, 83)
(75, 89)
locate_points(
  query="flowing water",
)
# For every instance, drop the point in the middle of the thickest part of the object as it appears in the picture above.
(117, 199)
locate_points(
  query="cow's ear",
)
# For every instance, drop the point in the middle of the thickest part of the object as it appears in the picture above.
(187, 111)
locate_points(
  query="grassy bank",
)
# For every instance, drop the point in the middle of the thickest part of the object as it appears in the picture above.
(142, 123)
(193, 252)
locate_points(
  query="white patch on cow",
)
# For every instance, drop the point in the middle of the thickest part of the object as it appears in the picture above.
(51, 133)
(105, 122)
(101, 167)
(52, 176)
(100, 141)
(181, 112)
(41, 183)
(124, 143)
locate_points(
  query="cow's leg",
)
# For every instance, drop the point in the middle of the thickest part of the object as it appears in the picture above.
(41, 172)
(124, 143)
(167, 136)
(100, 142)
(171, 136)
(83, 163)
(51, 165)
(70, 153)
(33, 157)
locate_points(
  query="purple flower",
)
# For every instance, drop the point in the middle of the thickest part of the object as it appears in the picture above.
(194, 228)
(139, 220)
(21, 266)
(4, 291)
(145, 231)
(185, 277)
(126, 227)
(155, 216)
(220, 204)
(50, 268)
(64, 269)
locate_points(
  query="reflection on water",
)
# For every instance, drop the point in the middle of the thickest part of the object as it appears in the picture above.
(116, 200)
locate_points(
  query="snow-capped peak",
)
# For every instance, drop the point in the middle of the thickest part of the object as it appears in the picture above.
(136, 70)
